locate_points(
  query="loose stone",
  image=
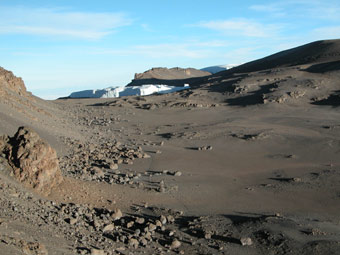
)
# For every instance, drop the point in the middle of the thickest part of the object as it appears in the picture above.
(175, 244)
(245, 241)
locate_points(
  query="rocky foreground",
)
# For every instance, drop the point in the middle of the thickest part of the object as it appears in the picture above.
(247, 162)
(73, 228)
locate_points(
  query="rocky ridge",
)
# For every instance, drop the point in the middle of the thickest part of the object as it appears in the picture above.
(10, 83)
(163, 73)
(173, 77)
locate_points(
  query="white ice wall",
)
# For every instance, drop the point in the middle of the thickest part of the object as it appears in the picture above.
(127, 91)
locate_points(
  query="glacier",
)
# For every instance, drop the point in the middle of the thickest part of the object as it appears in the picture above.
(112, 92)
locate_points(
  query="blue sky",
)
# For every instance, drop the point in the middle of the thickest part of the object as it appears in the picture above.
(62, 46)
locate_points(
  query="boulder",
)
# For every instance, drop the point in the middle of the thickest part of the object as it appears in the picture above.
(34, 161)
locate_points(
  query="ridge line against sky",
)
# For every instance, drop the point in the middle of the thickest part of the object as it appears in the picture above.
(62, 46)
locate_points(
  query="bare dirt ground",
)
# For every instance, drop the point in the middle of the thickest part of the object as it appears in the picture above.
(244, 164)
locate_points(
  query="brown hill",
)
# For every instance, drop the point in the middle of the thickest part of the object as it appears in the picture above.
(18, 107)
(16, 103)
(172, 76)
(10, 84)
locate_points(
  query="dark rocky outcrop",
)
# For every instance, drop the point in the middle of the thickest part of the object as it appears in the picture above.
(34, 162)
(311, 53)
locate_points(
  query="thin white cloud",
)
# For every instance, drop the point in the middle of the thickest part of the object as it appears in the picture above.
(241, 27)
(170, 50)
(326, 10)
(191, 50)
(59, 22)
(56, 32)
(326, 32)
(212, 44)
(274, 10)
(146, 27)
(265, 8)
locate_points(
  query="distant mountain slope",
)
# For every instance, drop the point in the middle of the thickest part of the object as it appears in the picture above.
(174, 76)
(293, 75)
(219, 68)
(315, 52)
(325, 51)
(308, 74)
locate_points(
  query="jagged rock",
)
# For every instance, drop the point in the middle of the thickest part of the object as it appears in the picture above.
(97, 252)
(113, 166)
(33, 160)
(163, 219)
(175, 244)
(134, 243)
(246, 241)
(152, 227)
(71, 221)
(207, 235)
(143, 242)
(170, 219)
(296, 94)
(98, 172)
(159, 223)
(137, 232)
(146, 155)
(3, 141)
(117, 214)
(140, 220)
(178, 173)
(109, 228)
(130, 224)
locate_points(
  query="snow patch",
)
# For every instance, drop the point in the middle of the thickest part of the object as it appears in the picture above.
(112, 92)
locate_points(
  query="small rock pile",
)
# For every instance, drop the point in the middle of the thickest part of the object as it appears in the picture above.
(193, 105)
(91, 230)
(251, 137)
(100, 162)
(153, 106)
(105, 227)
(30, 248)
(205, 148)
(99, 121)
